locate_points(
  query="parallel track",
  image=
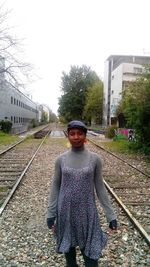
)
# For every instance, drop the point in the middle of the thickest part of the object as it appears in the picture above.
(132, 196)
(14, 163)
(113, 154)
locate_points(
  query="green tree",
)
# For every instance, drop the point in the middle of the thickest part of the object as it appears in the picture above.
(44, 118)
(136, 107)
(74, 89)
(52, 117)
(93, 110)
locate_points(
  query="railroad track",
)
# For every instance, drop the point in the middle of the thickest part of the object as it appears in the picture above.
(131, 191)
(15, 161)
(22, 226)
(130, 187)
(23, 137)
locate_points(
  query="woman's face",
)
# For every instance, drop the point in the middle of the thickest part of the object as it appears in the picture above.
(76, 137)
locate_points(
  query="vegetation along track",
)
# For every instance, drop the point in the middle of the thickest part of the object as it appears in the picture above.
(14, 163)
(131, 188)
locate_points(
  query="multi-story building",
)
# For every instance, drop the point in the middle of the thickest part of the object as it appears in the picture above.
(119, 71)
(17, 106)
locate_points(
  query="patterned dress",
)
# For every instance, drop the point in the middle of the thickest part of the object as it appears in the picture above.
(72, 202)
(77, 217)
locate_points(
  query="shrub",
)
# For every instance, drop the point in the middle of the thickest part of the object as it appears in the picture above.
(6, 126)
(110, 131)
(34, 123)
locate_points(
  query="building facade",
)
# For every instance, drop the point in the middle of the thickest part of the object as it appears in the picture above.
(119, 71)
(16, 107)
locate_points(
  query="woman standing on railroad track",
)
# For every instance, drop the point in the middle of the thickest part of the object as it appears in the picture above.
(72, 211)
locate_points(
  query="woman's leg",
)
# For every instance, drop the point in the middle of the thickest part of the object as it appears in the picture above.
(71, 258)
(89, 262)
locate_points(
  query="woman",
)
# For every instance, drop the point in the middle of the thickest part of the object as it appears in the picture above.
(72, 201)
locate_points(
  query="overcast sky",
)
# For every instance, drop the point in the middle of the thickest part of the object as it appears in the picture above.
(61, 33)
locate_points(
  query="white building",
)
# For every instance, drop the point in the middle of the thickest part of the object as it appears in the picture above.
(119, 70)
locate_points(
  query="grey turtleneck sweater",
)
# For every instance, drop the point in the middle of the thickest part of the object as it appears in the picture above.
(77, 159)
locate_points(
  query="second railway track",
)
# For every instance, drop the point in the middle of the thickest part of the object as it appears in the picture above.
(130, 187)
(14, 163)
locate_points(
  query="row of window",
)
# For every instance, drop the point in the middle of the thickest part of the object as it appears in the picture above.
(18, 103)
(136, 70)
(15, 119)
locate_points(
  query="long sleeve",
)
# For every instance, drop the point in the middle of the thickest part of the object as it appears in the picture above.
(54, 192)
(102, 193)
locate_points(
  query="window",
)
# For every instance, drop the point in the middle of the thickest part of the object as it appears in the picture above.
(11, 100)
(137, 70)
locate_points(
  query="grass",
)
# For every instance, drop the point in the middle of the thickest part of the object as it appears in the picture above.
(126, 147)
(6, 139)
(121, 146)
(3, 189)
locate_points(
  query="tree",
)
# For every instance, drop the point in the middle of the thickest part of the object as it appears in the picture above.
(74, 89)
(52, 116)
(93, 110)
(12, 68)
(44, 117)
(135, 104)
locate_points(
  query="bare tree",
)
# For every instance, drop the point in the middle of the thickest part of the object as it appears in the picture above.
(12, 69)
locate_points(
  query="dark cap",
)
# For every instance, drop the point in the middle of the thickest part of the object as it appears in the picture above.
(77, 125)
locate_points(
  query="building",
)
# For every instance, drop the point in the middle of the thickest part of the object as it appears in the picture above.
(15, 106)
(18, 107)
(119, 71)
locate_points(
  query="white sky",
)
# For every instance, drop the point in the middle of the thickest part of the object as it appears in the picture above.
(61, 33)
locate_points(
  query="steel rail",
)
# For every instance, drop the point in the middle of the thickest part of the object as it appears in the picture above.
(111, 153)
(2, 208)
(129, 214)
(17, 143)
(12, 146)
(132, 218)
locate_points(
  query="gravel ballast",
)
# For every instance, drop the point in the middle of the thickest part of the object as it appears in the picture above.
(25, 239)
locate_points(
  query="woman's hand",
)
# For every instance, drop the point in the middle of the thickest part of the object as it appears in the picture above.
(50, 222)
(113, 225)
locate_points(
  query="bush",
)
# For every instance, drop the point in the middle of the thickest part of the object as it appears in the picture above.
(6, 126)
(110, 131)
(34, 123)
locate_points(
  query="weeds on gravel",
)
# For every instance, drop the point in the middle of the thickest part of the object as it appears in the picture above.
(121, 146)
(3, 189)
(126, 147)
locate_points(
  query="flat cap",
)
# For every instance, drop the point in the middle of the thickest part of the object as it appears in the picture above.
(77, 125)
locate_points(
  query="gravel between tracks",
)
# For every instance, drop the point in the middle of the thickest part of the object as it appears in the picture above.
(25, 239)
